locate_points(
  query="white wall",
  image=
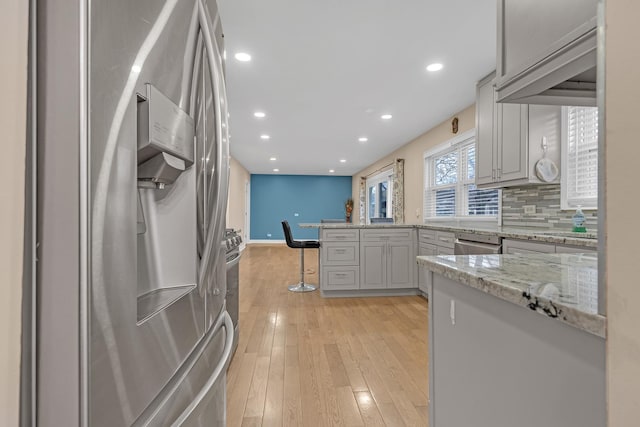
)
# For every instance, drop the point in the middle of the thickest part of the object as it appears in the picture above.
(622, 151)
(13, 87)
(413, 155)
(237, 207)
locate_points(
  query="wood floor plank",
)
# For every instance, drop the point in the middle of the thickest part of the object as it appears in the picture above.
(274, 399)
(370, 413)
(306, 361)
(258, 389)
(349, 412)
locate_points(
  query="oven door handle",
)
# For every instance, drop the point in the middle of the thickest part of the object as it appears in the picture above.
(233, 261)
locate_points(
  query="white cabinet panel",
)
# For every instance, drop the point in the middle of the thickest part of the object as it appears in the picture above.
(338, 253)
(373, 265)
(341, 278)
(401, 262)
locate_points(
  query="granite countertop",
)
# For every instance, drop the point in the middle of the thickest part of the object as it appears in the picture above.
(560, 286)
(563, 237)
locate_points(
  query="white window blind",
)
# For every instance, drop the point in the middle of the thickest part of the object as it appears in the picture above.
(579, 182)
(450, 189)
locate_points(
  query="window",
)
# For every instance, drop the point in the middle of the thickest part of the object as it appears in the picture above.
(579, 181)
(450, 191)
(379, 195)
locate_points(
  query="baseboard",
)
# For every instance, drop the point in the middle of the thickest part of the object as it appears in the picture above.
(266, 242)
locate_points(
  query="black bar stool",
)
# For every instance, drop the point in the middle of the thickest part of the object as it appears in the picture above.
(302, 245)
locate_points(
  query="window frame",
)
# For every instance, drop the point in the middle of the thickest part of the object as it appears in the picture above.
(566, 203)
(385, 175)
(457, 144)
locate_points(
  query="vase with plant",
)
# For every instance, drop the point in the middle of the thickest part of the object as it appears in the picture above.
(348, 209)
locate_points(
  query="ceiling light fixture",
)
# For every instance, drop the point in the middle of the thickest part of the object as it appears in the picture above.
(343, 160)
(259, 114)
(276, 170)
(386, 116)
(363, 139)
(243, 57)
(331, 171)
(265, 136)
(272, 159)
(436, 66)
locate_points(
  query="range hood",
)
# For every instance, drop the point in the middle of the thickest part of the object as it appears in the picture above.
(565, 74)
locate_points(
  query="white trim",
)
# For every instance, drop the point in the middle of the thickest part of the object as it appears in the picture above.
(247, 210)
(266, 242)
(456, 140)
(385, 175)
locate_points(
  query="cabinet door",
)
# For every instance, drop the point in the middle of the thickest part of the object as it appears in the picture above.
(423, 273)
(401, 263)
(373, 266)
(513, 129)
(485, 137)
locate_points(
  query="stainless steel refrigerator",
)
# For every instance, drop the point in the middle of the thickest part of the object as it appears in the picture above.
(130, 184)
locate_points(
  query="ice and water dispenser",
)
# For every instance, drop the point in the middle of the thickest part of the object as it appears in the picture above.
(166, 187)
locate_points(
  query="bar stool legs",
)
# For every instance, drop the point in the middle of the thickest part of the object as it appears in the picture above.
(302, 287)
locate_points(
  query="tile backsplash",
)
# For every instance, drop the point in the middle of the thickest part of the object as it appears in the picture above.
(546, 199)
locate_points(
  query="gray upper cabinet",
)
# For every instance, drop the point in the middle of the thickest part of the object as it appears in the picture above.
(511, 139)
(547, 52)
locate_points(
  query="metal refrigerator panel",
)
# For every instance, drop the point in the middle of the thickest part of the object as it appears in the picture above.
(132, 357)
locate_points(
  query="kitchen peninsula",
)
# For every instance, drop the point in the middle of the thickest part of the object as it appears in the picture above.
(515, 340)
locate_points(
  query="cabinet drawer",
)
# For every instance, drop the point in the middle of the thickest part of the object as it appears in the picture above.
(427, 236)
(387, 235)
(339, 235)
(445, 251)
(562, 249)
(425, 249)
(445, 239)
(515, 247)
(337, 253)
(339, 278)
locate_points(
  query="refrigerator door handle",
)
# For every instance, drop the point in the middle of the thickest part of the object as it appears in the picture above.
(222, 365)
(211, 253)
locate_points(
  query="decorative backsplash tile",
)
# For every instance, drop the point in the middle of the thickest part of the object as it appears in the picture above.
(546, 198)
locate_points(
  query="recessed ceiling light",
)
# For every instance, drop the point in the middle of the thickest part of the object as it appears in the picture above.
(343, 160)
(265, 136)
(243, 57)
(136, 68)
(276, 170)
(363, 139)
(259, 114)
(331, 171)
(386, 116)
(272, 158)
(436, 66)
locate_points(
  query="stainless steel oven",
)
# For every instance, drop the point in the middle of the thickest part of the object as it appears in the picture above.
(477, 244)
(233, 255)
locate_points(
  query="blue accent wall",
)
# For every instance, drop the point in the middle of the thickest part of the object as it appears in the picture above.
(278, 197)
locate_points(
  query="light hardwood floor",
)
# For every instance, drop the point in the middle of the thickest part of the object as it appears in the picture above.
(304, 360)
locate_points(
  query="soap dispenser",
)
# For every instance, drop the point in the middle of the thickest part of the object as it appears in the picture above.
(578, 221)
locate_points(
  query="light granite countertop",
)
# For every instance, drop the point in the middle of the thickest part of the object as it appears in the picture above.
(562, 237)
(560, 286)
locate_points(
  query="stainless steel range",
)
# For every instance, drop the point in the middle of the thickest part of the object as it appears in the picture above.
(232, 241)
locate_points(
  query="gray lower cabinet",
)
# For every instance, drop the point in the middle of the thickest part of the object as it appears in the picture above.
(339, 259)
(387, 258)
(493, 363)
(425, 249)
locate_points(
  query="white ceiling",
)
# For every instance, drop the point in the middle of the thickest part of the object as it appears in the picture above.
(324, 72)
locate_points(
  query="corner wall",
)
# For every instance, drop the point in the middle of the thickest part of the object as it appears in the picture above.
(13, 86)
(621, 234)
(237, 205)
(413, 155)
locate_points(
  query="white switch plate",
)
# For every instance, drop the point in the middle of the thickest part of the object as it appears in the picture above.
(296, 214)
(529, 209)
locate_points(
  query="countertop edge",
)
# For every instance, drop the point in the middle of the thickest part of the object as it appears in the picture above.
(530, 235)
(592, 323)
